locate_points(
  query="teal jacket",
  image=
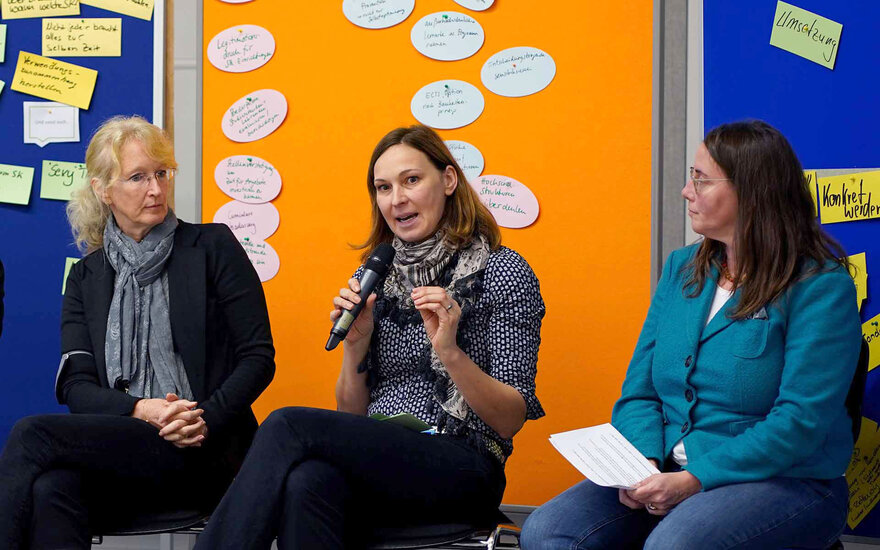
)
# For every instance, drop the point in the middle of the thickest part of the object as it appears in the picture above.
(753, 399)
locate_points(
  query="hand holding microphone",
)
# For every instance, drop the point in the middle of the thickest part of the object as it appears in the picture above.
(352, 300)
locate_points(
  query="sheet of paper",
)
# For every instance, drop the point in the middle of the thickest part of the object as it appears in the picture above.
(849, 197)
(142, 9)
(20, 9)
(48, 122)
(2, 85)
(60, 179)
(249, 220)
(604, 456)
(2, 43)
(248, 178)
(15, 183)
(254, 116)
(806, 34)
(510, 202)
(377, 14)
(863, 474)
(82, 37)
(67, 265)
(54, 80)
(447, 104)
(859, 273)
(812, 180)
(241, 48)
(447, 36)
(871, 332)
(518, 72)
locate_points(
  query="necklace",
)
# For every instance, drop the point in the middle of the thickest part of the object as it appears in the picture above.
(726, 272)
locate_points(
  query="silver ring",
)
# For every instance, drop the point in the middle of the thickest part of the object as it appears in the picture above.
(651, 507)
(449, 307)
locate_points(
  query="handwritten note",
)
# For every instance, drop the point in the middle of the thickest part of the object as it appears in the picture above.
(806, 34)
(859, 272)
(60, 179)
(510, 202)
(447, 36)
(142, 9)
(54, 80)
(241, 48)
(447, 104)
(48, 122)
(468, 157)
(255, 116)
(82, 37)
(812, 178)
(476, 5)
(248, 179)
(863, 473)
(20, 9)
(68, 263)
(262, 256)
(2, 85)
(15, 183)
(871, 332)
(249, 220)
(517, 72)
(2, 43)
(849, 197)
(377, 14)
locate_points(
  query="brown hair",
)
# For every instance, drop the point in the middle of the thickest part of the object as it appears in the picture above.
(86, 212)
(464, 215)
(777, 239)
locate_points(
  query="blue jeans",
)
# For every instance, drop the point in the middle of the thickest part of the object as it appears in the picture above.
(775, 513)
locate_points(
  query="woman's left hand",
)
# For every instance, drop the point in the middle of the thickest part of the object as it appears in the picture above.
(660, 493)
(185, 429)
(440, 314)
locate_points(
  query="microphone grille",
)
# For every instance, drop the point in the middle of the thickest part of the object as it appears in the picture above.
(380, 258)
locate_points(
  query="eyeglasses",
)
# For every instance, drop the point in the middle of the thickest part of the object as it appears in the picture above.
(142, 180)
(701, 183)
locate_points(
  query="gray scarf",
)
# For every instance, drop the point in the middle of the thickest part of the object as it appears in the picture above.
(420, 265)
(139, 347)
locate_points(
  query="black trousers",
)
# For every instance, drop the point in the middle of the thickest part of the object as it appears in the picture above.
(314, 477)
(63, 477)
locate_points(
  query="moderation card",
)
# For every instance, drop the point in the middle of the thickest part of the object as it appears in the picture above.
(48, 122)
(15, 183)
(806, 34)
(54, 80)
(21, 9)
(142, 9)
(82, 37)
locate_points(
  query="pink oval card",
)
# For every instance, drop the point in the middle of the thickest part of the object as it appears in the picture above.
(512, 203)
(248, 179)
(249, 220)
(254, 116)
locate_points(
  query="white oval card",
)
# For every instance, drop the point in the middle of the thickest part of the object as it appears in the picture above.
(235, 1)
(241, 48)
(476, 5)
(248, 179)
(249, 220)
(447, 36)
(512, 203)
(255, 116)
(468, 157)
(517, 72)
(447, 104)
(262, 256)
(377, 14)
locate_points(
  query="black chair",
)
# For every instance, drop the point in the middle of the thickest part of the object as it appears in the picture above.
(187, 522)
(497, 533)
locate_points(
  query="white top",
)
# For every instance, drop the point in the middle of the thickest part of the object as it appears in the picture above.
(679, 455)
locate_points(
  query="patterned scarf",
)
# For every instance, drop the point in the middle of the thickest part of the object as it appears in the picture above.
(422, 264)
(139, 347)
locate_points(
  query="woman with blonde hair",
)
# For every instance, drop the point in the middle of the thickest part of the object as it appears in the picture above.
(451, 337)
(165, 344)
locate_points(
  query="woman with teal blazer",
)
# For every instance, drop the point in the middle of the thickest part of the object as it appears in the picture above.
(737, 386)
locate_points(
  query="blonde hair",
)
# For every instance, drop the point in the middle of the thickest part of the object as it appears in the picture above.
(464, 216)
(86, 211)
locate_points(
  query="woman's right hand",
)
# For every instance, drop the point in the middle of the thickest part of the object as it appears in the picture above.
(362, 327)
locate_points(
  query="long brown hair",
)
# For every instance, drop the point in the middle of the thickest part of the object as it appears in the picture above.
(464, 216)
(777, 240)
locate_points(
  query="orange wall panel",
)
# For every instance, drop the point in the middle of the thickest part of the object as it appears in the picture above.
(582, 145)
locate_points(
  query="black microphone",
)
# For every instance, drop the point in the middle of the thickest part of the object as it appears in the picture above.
(374, 271)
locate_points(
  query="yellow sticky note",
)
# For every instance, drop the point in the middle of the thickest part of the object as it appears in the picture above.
(871, 332)
(20, 9)
(54, 80)
(859, 272)
(15, 183)
(67, 265)
(811, 184)
(862, 474)
(82, 37)
(850, 197)
(142, 9)
(806, 34)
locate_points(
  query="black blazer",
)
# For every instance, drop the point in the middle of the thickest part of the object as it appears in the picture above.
(219, 323)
